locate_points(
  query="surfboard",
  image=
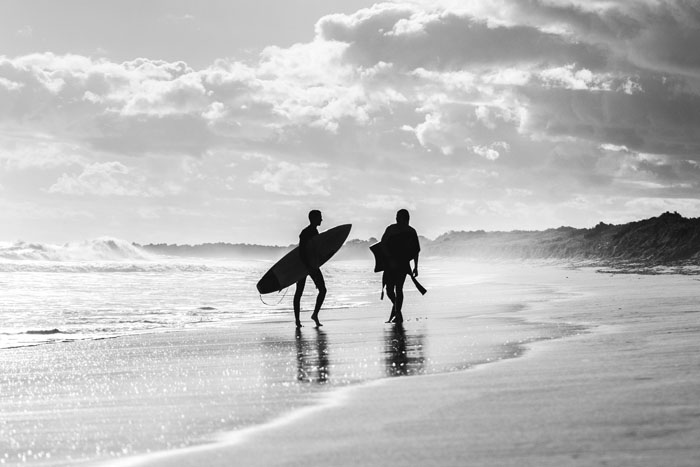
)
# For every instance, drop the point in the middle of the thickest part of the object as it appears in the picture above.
(290, 268)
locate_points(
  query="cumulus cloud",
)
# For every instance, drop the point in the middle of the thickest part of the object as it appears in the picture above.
(654, 34)
(359, 70)
(559, 99)
(491, 152)
(443, 39)
(435, 131)
(572, 57)
(9, 85)
(508, 61)
(98, 100)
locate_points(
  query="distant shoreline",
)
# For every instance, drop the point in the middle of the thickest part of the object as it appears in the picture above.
(669, 240)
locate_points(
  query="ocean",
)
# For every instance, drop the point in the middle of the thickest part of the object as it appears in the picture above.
(106, 288)
(108, 351)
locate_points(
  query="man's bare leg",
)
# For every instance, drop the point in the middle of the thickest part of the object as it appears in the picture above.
(321, 286)
(297, 300)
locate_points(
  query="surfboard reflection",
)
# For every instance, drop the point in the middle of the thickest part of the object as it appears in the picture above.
(403, 352)
(312, 358)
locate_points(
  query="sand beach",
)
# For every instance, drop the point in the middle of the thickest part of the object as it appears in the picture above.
(533, 365)
(171, 170)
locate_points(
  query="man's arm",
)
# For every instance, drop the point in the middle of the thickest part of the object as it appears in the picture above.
(304, 250)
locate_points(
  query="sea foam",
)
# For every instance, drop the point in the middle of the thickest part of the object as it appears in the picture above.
(104, 254)
(100, 249)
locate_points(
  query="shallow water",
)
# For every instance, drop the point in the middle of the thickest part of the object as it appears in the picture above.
(61, 301)
(208, 357)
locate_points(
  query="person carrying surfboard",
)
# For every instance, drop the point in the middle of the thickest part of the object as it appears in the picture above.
(311, 261)
(400, 245)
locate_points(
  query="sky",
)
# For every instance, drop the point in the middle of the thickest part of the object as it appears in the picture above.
(190, 122)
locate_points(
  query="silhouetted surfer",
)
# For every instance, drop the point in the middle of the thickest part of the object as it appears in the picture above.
(311, 263)
(400, 245)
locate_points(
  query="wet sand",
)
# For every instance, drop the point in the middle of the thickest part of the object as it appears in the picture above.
(535, 366)
(626, 392)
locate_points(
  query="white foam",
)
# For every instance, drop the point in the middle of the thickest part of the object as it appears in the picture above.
(100, 249)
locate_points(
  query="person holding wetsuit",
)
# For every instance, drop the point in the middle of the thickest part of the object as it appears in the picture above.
(308, 257)
(400, 244)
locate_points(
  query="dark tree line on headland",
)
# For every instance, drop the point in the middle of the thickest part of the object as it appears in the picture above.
(666, 239)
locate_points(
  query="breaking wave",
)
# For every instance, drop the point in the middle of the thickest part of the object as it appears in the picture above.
(100, 249)
(100, 255)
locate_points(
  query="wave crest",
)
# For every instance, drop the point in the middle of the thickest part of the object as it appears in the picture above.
(100, 249)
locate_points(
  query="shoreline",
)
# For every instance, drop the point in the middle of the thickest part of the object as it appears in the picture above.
(188, 387)
(335, 398)
(339, 396)
(622, 393)
(586, 361)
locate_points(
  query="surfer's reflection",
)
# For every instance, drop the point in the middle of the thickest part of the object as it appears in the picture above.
(403, 353)
(312, 357)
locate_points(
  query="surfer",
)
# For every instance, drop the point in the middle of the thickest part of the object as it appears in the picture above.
(311, 263)
(400, 244)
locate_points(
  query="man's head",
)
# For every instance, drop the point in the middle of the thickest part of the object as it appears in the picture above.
(402, 216)
(315, 217)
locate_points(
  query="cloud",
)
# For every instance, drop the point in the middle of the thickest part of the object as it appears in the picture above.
(493, 151)
(650, 34)
(446, 136)
(661, 118)
(509, 63)
(445, 40)
(289, 179)
(568, 77)
(98, 102)
(9, 85)
(102, 102)
(570, 102)
(36, 151)
(571, 57)
(108, 179)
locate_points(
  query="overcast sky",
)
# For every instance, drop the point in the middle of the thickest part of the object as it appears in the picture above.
(198, 121)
